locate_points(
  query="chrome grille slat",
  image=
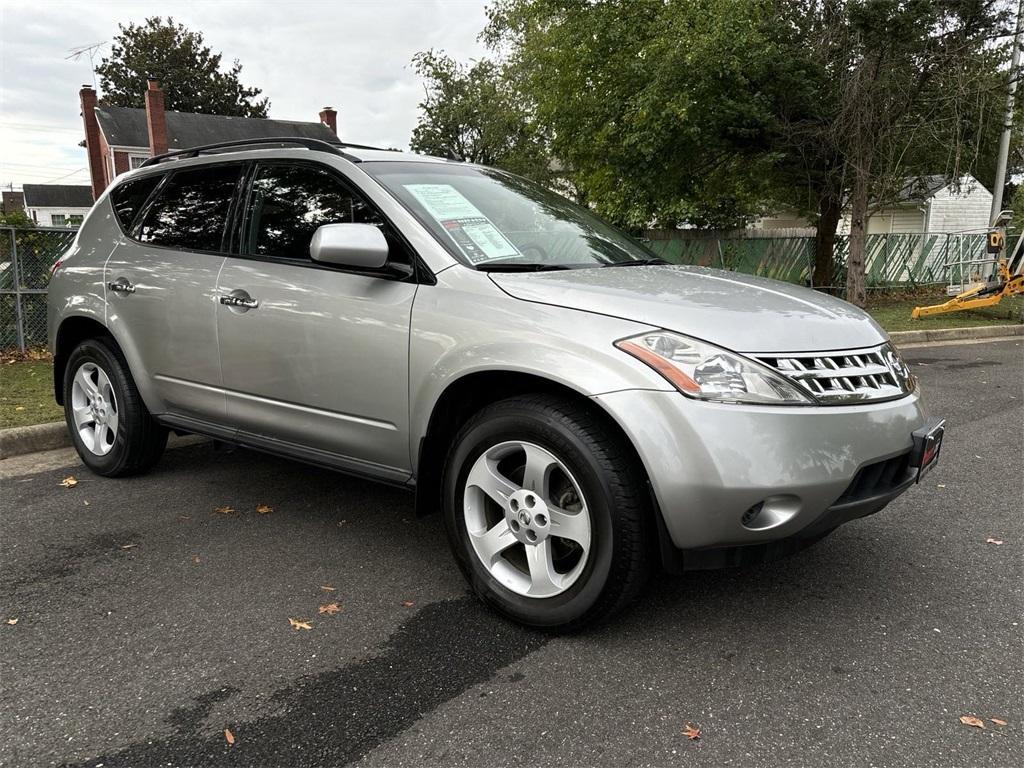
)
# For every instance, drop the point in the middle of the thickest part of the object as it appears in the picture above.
(856, 375)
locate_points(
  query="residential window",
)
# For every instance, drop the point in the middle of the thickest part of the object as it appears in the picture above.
(75, 220)
(191, 210)
(136, 161)
(58, 220)
(289, 202)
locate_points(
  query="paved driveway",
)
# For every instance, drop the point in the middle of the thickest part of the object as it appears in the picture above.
(148, 624)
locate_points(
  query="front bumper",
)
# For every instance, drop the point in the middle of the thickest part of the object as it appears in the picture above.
(711, 464)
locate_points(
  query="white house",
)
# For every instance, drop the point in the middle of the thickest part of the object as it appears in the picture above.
(927, 204)
(57, 205)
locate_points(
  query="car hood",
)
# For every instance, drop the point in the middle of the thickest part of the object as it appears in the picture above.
(740, 312)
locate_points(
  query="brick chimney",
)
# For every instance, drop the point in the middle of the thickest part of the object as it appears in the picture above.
(329, 117)
(156, 118)
(87, 97)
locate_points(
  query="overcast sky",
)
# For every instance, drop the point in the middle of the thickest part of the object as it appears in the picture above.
(353, 55)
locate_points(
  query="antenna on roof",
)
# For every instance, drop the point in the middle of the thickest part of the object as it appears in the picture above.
(87, 50)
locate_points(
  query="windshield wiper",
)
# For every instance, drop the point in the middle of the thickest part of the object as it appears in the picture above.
(521, 267)
(635, 263)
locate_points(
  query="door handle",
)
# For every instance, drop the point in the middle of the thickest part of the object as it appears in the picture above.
(245, 302)
(121, 285)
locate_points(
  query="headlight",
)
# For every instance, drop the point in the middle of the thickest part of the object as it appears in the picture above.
(706, 372)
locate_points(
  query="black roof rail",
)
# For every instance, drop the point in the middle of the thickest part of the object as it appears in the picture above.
(314, 144)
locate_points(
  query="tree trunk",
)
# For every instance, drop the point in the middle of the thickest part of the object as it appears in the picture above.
(855, 260)
(825, 243)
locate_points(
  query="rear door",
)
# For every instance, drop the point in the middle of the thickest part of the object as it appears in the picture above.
(161, 289)
(314, 357)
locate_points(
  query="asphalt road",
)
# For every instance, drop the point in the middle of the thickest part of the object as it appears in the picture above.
(148, 623)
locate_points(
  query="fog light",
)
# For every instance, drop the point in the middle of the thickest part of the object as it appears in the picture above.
(771, 513)
(750, 514)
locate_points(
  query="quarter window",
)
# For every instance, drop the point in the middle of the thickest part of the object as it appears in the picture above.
(192, 209)
(129, 197)
(289, 202)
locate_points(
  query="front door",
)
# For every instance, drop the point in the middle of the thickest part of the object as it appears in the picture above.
(161, 289)
(314, 358)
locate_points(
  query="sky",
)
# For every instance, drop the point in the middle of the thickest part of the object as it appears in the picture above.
(353, 55)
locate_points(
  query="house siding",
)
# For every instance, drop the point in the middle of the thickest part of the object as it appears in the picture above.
(963, 211)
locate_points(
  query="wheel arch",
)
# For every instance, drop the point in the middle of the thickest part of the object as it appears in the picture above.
(72, 331)
(466, 396)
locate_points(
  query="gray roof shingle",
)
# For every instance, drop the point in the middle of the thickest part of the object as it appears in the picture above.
(57, 196)
(126, 127)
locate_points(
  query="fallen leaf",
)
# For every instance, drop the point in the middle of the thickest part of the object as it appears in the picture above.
(342, 522)
(995, 720)
(693, 734)
(19, 407)
(195, 559)
(225, 510)
(941, 485)
(129, 546)
(296, 624)
(184, 517)
(408, 603)
(972, 721)
(12, 622)
(263, 509)
(229, 737)
(329, 608)
(990, 540)
(328, 588)
(86, 503)
(69, 481)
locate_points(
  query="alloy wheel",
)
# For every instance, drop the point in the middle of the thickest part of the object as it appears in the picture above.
(94, 409)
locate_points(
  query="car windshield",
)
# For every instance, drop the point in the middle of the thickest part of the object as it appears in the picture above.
(492, 220)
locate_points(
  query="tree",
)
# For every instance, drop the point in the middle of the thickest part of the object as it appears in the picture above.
(16, 218)
(713, 111)
(190, 74)
(474, 113)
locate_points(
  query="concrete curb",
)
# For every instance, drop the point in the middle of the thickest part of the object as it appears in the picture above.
(956, 334)
(17, 441)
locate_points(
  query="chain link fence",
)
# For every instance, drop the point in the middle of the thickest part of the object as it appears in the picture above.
(26, 256)
(898, 260)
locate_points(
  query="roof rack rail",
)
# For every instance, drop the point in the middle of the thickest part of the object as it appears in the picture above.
(313, 144)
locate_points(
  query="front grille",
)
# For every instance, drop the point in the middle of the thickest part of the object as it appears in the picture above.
(877, 479)
(856, 375)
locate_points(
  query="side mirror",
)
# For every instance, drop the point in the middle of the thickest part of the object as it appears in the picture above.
(362, 246)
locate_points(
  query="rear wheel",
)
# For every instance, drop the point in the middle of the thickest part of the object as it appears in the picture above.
(110, 426)
(546, 512)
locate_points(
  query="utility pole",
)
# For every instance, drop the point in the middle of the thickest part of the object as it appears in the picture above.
(1004, 142)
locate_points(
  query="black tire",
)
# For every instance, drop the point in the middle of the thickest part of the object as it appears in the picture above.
(614, 486)
(139, 441)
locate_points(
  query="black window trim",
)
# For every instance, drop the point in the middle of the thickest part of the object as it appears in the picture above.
(127, 232)
(420, 273)
(225, 239)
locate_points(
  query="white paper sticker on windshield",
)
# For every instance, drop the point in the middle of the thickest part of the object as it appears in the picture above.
(473, 232)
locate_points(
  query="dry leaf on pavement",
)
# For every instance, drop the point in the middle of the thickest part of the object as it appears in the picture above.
(263, 509)
(997, 721)
(12, 622)
(328, 588)
(693, 734)
(408, 603)
(229, 737)
(129, 546)
(297, 624)
(195, 559)
(971, 720)
(225, 510)
(329, 608)
(990, 540)
(69, 481)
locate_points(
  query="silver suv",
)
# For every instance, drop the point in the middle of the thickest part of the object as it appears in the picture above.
(579, 411)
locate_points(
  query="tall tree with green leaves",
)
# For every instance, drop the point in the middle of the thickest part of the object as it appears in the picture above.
(474, 113)
(191, 75)
(713, 111)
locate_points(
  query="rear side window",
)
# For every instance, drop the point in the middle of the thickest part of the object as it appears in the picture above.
(128, 199)
(191, 210)
(289, 202)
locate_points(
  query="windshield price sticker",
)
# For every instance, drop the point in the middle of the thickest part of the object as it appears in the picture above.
(473, 232)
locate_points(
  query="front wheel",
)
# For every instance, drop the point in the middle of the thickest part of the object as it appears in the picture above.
(110, 426)
(547, 514)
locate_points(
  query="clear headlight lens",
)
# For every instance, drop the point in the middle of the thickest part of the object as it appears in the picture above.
(706, 372)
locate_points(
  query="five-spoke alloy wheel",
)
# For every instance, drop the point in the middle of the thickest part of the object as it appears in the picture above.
(545, 506)
(110, 426)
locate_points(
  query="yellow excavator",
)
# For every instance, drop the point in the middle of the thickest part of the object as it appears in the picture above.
(986, 291)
